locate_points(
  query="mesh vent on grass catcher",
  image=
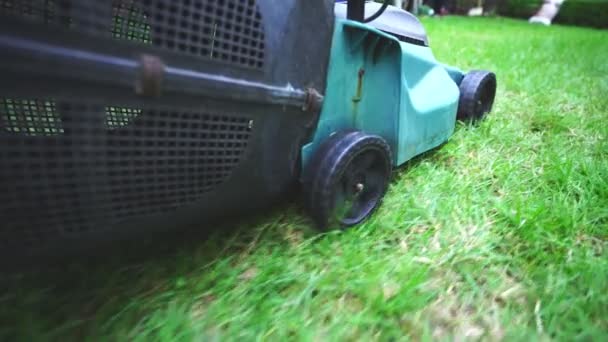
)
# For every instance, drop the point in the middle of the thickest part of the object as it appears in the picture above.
(227, 31)
(81, 167)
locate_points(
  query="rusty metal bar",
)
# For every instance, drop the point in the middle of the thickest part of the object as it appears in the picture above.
(147, 76)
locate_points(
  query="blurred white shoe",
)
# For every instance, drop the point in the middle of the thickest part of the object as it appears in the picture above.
(475, 12)
(547, 12)
(540, 20)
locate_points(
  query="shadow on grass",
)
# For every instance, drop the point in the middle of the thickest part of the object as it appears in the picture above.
(83, 294)
(80, 294)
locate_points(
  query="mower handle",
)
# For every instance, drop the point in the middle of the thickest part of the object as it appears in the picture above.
(355, 10)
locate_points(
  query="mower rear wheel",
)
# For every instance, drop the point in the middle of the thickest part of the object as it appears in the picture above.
(477, 92)
(347, 179)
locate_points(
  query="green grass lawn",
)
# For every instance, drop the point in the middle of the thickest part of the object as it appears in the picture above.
(500, 233)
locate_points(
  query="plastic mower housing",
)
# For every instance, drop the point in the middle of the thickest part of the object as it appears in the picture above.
(387, 100)
(383, 79)
(121, 118)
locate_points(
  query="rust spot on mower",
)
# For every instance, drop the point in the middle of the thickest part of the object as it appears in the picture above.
(150, 78)
(359, 92)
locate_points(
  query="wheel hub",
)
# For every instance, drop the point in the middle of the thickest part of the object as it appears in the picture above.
(359, 187)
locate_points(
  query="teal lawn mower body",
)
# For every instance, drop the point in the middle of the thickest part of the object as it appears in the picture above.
(383, 86)
(383, 81)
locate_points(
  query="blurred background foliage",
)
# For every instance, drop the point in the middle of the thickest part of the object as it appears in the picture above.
(592, 13)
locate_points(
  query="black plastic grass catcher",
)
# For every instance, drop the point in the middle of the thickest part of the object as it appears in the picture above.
(121, 117)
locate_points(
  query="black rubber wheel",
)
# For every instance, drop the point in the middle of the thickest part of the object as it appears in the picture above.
(477, 92)
(347, 179)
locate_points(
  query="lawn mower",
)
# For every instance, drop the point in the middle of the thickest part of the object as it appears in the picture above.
(119, 118)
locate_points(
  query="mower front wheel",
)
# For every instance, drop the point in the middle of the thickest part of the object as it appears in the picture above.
(477, 92)
(347, 179)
